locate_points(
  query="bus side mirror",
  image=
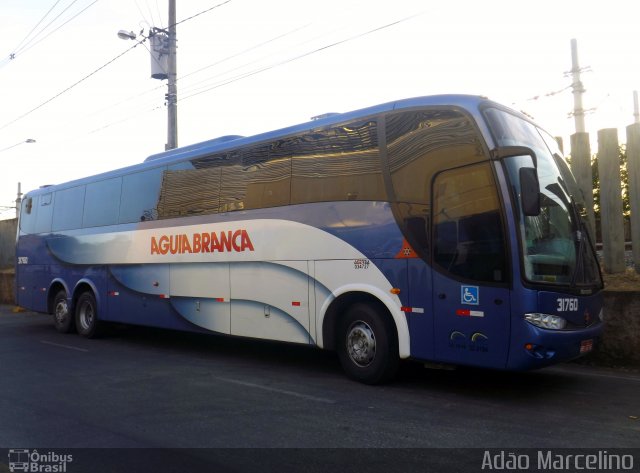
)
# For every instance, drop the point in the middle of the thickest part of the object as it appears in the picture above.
(530, 192)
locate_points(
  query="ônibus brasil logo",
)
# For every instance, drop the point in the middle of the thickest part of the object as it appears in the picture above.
(207, 242)
(23, 459)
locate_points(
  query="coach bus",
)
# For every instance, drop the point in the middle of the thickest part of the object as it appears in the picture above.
(445, 229)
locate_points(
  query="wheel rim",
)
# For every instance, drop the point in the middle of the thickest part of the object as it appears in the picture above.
(61, 312)
(87, 316)
(361, 343)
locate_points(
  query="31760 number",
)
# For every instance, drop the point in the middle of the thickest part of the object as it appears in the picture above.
(567, 304)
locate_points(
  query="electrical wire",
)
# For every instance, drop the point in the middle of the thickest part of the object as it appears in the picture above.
(153, 18)
(249, 73)
(233, 56)
(12, 55)
(300, 56)
(24, 115)
(159, 13)
(44, 28)
(198, 14)
(25, 45)
(141, 13)
(70, 87)
(67, 21)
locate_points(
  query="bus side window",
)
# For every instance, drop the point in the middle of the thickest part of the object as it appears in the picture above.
(45, 214)
(28, 215)
(257, 178)
(102, 202)
(140, 193)
(338, 163)
(68, 209)
(417, 228)
(192, 188)
(419, 145)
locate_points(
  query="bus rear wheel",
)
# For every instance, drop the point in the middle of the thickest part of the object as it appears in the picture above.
(62, 317)
(87, 322)
(367, 345)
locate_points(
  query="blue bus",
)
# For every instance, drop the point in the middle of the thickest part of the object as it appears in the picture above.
(446, 229)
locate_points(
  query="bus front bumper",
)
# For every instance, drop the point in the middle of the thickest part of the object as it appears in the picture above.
(535, 347)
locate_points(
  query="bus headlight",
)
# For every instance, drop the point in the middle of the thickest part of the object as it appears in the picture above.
(552, 322)
(601, 315)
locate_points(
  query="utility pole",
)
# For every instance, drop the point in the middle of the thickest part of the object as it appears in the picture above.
(18, 200)
(636, 109)
(578, 89)
(172, 91)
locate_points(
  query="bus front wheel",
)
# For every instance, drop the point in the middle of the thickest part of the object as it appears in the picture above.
(62, 316)
(87, 322)
(368, 346)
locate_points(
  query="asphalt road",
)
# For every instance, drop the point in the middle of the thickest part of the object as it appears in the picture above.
(145, 388)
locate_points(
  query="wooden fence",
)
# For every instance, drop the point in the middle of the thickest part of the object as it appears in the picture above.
(609, 171)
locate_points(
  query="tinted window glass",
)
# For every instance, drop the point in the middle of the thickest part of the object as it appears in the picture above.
(102, 203)
(468, 231)
(419, 144)
(140, 193)
(337, 163)
(192, 191)
(68, 211)
(28, 214)
(257, 177)
(45, 213)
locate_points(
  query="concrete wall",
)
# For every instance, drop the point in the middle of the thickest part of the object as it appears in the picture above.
(8, 229)
(620, 344)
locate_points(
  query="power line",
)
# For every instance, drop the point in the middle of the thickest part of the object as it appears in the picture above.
(141, 94)
(29, 42)
(71, 86)
(141, 13)
(67, 21)
(24, 115)
(300, 56)
(12, 55)
(159, 13)
(194, 86)
(231, 80)
(44, 28)
(233, 56)
(153, 18)
(249, 73)
(201, 13)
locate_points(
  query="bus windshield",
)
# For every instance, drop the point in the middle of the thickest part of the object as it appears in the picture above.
(555, 244)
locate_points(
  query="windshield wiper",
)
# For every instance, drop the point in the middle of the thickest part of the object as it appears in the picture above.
(580, 237)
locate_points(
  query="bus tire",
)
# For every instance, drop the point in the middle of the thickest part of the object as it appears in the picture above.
(87, 322)
(63, 319)
(367, 345)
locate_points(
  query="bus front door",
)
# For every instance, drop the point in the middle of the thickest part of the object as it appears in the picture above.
(471, 323)
(470, 268)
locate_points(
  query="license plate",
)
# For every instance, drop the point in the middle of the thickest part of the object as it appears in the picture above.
(586, 346)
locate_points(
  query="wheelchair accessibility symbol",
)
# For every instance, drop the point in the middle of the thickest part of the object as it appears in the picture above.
(470, 295)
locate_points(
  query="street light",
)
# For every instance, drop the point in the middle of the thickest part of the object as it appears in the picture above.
(28, 140)
(124, 34)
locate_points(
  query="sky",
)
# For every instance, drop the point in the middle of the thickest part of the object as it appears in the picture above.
(249, 66)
